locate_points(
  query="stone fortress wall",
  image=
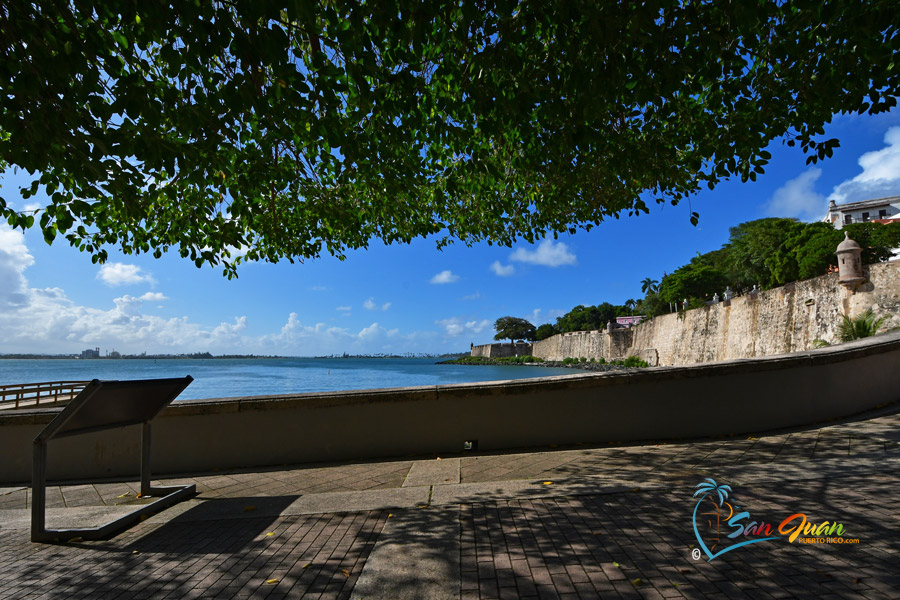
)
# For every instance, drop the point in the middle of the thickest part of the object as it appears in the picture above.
(589, 344)
(777, 321)
(501, 350)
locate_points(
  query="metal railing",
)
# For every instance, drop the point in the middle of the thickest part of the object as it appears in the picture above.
(22, 395)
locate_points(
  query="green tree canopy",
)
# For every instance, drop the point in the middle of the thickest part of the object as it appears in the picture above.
(692, 281)
(807, 252)
(751, 244)
(513, 328)
(288, 132)
(544, 331)
(878, 240)
(587, 318)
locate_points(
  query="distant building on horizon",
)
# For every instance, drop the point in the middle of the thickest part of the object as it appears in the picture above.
(90, 353)
(879, 210)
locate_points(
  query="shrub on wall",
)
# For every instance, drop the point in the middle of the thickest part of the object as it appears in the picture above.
(861, 326)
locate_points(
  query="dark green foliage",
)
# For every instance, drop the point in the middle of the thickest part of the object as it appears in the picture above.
(291, 132)
(875, 239)
(634, 361)
(513, 328)
(807, 252)
(544, 331)
(751, 244)
(652, 305)
(587, 318)
(692, 281)
(768, 252)
(501, 360)
(862, 326)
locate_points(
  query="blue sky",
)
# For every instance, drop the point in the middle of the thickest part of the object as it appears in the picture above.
(407, 298)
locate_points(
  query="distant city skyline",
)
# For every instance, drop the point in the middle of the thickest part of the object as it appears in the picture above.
(403, 298)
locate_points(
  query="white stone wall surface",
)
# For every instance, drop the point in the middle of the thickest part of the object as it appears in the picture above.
(787, 319)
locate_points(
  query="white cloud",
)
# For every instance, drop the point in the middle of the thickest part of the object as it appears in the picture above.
(318, 288)
(455, 327)
(320, 339)
(502, 270)
(344, 308)
(798, 198)
(154, 297)
(47, 321)
(370, 305)
(375, 333)
(474, 296)
(444, 277)
(114, 274)
(14, 259)
(548, 253)
(880, 175)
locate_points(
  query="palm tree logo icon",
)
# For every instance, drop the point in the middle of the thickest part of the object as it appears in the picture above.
(710, 491)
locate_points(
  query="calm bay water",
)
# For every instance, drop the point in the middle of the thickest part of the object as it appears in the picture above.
(221, 378)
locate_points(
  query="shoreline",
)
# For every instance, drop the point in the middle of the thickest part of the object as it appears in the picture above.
(553, 364)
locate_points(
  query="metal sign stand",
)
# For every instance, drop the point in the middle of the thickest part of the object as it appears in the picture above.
(107, 405)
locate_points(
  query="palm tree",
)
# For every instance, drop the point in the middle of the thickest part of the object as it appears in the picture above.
(861, 326)
(630, 304)
(649, 285)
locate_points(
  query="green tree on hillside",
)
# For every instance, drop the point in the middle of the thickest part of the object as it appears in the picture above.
(587, 318)
(751, 244)
(513, 328)
(289, 131)
(691, 281)
(876, 239)
(544, 331)
(652, 305)
(808, 252)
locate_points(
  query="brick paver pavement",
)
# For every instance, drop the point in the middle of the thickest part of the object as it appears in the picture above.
(612, 522)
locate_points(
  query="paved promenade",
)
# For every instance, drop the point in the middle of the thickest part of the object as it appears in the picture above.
(613, 522)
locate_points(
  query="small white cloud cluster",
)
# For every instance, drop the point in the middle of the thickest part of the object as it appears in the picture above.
(444, 277)
(370, 305)
(548, 254)
(502, 270)
(116, 274)
(455, 326)
(880, 177)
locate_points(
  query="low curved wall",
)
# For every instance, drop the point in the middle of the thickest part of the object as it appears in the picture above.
(740, 396)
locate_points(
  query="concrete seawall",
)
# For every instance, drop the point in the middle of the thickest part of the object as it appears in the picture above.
(729, 397)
